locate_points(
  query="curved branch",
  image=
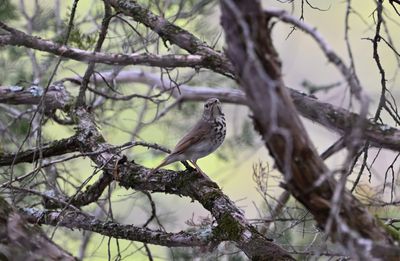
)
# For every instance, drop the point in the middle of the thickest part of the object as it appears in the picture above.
(76, 220)
(54, 148)
(91, 194)
(175, 34)
(346, 72)
(332, 117)
(56, 97)
(232, 224)
(19, 241)
(19, 38)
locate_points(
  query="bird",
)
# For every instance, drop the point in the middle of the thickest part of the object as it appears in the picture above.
(203, 139)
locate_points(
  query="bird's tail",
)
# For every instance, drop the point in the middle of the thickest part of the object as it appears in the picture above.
(163, 163)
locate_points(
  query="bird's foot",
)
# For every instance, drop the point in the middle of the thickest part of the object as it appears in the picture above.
(187, 166)
(204, 175)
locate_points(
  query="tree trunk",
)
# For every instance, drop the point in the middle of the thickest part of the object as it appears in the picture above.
(258, 68)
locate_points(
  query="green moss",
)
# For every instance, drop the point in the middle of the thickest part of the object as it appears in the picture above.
(209, 198)
(228, 228)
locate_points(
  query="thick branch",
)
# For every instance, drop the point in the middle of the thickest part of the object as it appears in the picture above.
(75, 220)
(54, 148)
(19, 241)
(258, 68)
(56, 96)
(19, 38)
(232, 224)
(175, 34)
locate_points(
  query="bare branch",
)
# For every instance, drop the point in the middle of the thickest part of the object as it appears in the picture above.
(90, 69)
(332, 117)
(19, 38)
(174, 34)
(56, 96)
(19, 241)
(76, 220)
(347, 73)
(51, 149)
(258, 66)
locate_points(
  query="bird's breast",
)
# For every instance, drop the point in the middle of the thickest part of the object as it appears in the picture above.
(219, 129)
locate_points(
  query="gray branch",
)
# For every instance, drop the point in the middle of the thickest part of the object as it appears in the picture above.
(232, 224)
(332, 117)
(19, 38)
(175, 35)
(56, 96)
(51, 149)
(76, 220)
(19, 241)
(251, 50)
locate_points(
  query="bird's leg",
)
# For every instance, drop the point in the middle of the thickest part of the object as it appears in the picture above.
(198, 169)
(196, 166)
(187, 165)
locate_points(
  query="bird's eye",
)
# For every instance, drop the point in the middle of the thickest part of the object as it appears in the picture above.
(206, 106)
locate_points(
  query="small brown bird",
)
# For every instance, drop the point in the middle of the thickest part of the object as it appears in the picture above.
(204, 138)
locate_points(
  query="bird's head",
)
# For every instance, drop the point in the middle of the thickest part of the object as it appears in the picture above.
(212, 109)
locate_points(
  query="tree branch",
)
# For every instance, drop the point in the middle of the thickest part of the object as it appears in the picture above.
(19, 38)
(258, 67)
(19, 241)
(91, 194)
(76, 220)
(332, 117)
(56, 96)
(232, 224)
(80, 101)
(175, 34)
(54, 148)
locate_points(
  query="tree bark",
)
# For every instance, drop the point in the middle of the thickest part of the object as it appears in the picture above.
(232, 225)
(21, 241)
(258, 68)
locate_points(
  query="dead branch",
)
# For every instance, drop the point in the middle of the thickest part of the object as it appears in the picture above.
(231, 221)
(76, 220)
(257, 65)
(19, 241)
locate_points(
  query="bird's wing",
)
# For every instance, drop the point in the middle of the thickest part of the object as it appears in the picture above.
(194, 136)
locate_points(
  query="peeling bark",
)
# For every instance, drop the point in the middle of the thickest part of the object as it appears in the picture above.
(258, 68)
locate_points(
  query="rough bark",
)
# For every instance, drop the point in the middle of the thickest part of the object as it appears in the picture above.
(19, 38)
(277, 123)
(258, 68)
(56, 97)
(232, 224)
(76, 220)
(330, 116)
(55, 148)
(21, 241)
(175, 35)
